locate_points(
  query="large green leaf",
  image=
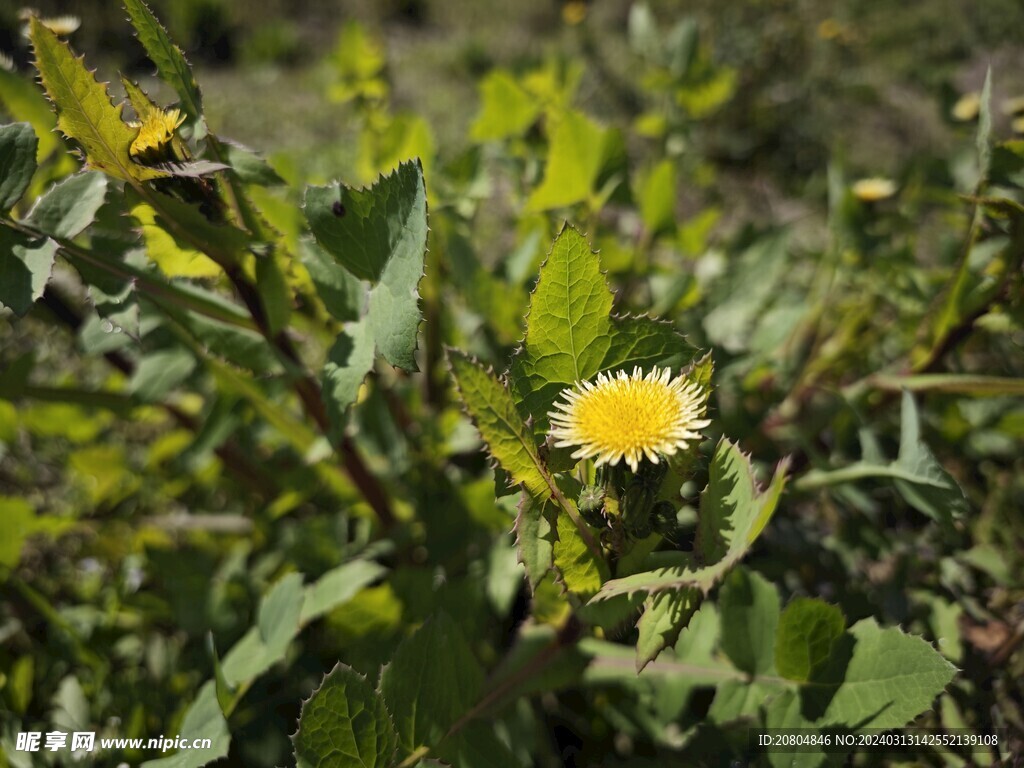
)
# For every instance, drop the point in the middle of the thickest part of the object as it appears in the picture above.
(665, 615)
(807, 631)
(509, 439)
(749, 608)
(84, 110)
(732, 515)
(890, 679)
(337, 586)
(203, 720)
(570, 335)
(18, 145)
(365, 229)
(25, 266)
(344, 724)
(169, 60)
(69, 206)
(432, 680)
(507, 109)
(577, 152)
(377, 234)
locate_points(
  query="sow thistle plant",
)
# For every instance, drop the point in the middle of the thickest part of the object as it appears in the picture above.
(599, 420)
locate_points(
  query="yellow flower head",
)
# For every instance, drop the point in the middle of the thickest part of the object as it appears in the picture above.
(874, 189)
(574, 12)
(156, 132)
(967, 107)
(629, 417)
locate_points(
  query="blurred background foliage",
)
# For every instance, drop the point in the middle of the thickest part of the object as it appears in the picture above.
(713, 146)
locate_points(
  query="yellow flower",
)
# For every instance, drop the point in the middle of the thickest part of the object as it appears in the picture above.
(1013, 106)
(574, 12)
(967, 107)
(629, 417)
(874, 189)
(156, 132)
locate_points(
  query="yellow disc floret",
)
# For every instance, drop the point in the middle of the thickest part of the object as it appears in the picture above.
(156, 132)
(622, 416)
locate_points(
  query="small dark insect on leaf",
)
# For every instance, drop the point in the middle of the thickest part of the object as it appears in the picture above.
(338, 209)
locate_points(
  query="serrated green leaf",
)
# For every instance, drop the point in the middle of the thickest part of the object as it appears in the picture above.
(379, 234)
(344, 724)
(807, 630)
(665, 615)
(69, 206)
(139, 99)
(732, 515)
(570, 336)
(890, 679)
(84, 110)
(18, 146)
(507, 110)
(337, 586)
(749, 608)
(510, 441)
(431, 681)
(534, 537)
(568, 326)
(646, 342)
(25, 267)
(364, 229)
(577, 151)
(169, 60)
(203, 720)
(579, 568)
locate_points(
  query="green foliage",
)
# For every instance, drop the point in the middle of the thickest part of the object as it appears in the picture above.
(84, 110)
(345, 723)
(807, 631)
(17, 162)
(255, 426)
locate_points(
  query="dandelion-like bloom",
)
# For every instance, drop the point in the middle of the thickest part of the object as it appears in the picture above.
(156, 132)
(967, 107)
(874, 189)
(622, 416)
